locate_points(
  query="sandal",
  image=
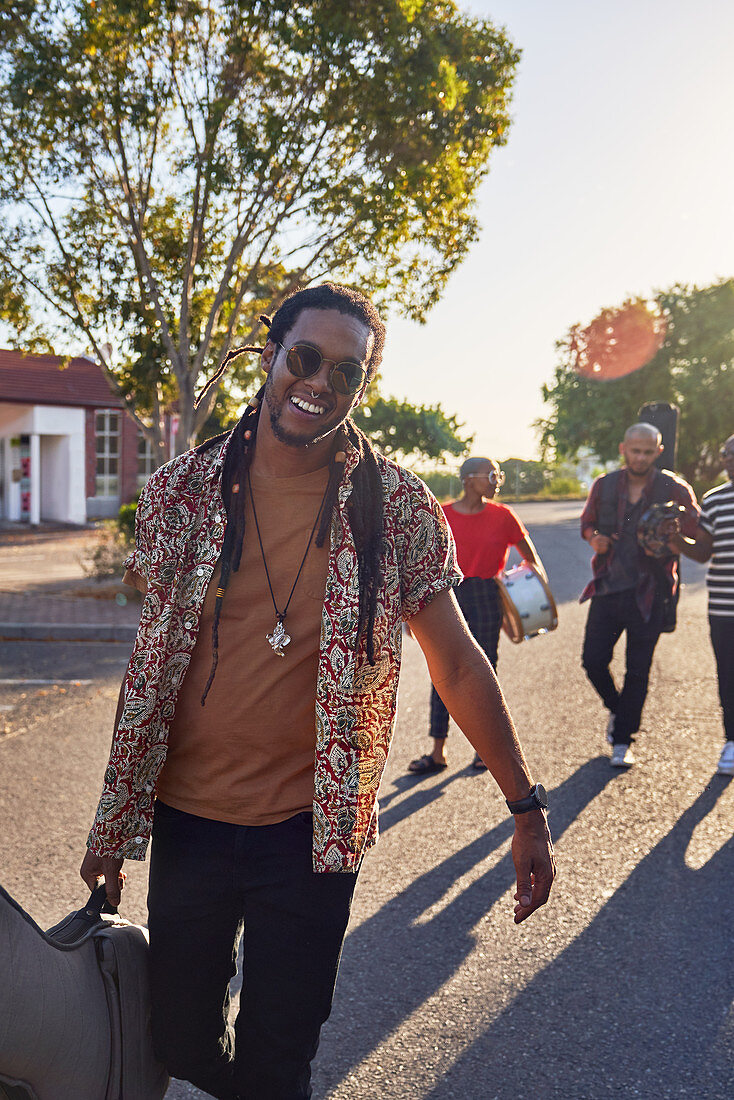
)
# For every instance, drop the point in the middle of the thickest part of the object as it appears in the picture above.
(425, 765)
(478, 764)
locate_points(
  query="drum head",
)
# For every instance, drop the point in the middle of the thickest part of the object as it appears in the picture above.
(656, 526)
(527, 602)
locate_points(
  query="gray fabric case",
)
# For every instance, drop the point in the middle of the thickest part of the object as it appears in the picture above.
(75, 1008)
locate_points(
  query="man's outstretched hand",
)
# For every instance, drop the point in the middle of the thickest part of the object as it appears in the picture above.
(95, 867)
(535, 863)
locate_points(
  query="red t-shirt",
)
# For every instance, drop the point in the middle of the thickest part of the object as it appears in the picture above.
(483, 540)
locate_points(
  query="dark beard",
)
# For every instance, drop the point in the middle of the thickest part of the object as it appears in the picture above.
(275, 408)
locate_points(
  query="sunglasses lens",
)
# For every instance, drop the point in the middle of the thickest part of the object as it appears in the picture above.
(346, 378)
(303, 361)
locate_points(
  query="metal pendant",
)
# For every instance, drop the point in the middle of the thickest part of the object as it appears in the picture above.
(278, 639)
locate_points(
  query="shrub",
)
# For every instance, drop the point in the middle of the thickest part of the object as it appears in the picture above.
(562, 486)
(107, 554)
(126, 520)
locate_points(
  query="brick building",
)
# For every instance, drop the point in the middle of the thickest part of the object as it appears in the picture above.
(68, 450)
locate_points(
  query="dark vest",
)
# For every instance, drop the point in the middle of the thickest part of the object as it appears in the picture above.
(607, 523)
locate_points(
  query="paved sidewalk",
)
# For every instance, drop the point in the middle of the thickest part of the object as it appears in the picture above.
(45, 594)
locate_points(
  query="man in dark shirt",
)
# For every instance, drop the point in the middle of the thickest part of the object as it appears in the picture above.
(630, 590)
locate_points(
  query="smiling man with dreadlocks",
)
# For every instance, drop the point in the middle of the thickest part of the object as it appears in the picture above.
(278, 563)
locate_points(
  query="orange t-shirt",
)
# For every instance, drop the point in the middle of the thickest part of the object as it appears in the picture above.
(247, 756)
(483, 540)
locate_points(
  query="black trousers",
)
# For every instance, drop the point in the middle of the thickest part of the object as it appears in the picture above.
(609, 617)
(208, 881)
(479, 600)
(722, 639)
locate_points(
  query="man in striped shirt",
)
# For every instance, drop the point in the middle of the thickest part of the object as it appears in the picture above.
(714, 539)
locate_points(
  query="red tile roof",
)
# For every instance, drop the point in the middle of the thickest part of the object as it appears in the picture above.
(44, 380)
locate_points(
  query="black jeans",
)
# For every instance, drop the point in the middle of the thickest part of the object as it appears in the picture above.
(722, 639)
(609, 617)
(480, 603)
(208, 879)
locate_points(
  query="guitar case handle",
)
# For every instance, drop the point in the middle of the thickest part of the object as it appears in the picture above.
(78, 926)
(98, 902)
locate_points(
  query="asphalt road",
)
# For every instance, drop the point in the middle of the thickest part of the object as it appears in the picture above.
(621, 987)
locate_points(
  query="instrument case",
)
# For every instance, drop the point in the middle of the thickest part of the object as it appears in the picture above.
(75, 1007)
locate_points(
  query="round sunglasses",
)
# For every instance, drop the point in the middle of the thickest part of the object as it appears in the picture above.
(304, 360)
(495, 477)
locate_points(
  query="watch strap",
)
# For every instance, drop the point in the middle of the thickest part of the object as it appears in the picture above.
(536, 800)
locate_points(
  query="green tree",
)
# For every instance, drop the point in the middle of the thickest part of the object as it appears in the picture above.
(406, 431)
(525, 477)
(170, 168)
(694, 369)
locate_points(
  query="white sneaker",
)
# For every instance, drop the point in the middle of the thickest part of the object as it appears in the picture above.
(621, 756)
(726, 760)
(610, 730)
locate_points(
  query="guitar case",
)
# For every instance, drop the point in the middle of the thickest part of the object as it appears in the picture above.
(75, 1007)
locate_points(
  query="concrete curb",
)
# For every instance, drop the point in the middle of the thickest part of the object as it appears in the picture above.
(63, 632)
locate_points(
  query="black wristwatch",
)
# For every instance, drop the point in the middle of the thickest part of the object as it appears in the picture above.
(536, 800)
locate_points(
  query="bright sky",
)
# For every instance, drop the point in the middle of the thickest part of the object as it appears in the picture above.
(617, 179)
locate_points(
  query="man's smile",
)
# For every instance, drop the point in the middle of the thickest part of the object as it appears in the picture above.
(307, 406)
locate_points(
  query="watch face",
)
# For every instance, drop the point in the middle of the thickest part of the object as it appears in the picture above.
(542, 795)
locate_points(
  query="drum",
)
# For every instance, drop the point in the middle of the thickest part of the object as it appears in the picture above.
(657, 524)
(528, 605)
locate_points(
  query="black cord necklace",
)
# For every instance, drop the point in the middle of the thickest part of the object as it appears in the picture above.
(279, 638)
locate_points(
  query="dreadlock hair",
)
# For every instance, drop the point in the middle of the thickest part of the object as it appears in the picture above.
(366, 500)
(340, 298)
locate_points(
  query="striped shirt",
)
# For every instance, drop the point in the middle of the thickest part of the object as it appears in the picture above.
(717, 517)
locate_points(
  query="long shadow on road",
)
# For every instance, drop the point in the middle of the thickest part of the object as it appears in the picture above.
(399, 957)
(638, 1005)
(420, 796)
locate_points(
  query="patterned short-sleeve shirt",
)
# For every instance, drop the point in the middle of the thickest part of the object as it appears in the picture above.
(179, 531)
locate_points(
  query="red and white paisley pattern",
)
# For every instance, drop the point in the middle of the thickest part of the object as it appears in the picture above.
(178, 539)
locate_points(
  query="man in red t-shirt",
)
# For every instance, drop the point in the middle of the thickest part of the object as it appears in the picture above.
(483, 531)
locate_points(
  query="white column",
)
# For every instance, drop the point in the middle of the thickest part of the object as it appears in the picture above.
(35, 478)
(7, 481)
(13, 488)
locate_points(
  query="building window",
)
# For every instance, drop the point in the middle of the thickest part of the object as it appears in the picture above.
(107, 445)
(146, 461)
